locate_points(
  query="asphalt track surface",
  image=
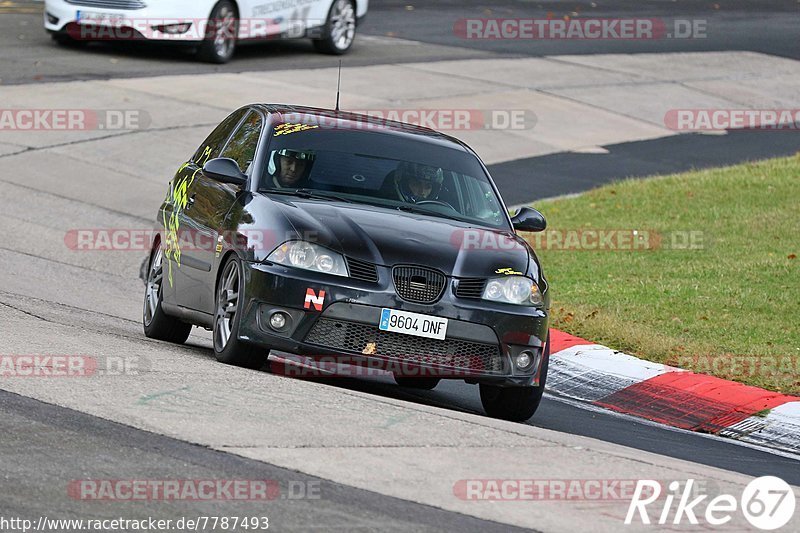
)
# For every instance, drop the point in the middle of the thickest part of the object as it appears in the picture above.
(569, 172)
(768, 26)
(43, 442)
(89, 444)
(563, 415)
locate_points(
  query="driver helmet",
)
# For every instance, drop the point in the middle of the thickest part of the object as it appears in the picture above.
(307, 156)
(426, 175)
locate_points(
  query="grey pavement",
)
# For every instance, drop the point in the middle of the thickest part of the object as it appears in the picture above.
(91, 449)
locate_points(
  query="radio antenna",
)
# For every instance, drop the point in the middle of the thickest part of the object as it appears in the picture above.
(338, 85)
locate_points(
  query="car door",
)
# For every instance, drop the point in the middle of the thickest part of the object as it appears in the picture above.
(265, 19)
(183, 236)
(289, 19)
(213, 202)
(305, 15)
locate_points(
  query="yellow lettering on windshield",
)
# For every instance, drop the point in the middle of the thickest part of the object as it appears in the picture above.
(286, 129)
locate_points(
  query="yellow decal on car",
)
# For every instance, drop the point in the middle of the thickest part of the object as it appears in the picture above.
(507, 272)
(204, 156)
(370, 349)
(286, 129)
(179, 198)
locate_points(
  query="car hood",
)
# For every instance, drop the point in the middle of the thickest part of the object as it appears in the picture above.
(388, 237)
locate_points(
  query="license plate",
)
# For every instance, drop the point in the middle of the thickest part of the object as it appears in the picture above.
(101, 19)
(417, 324)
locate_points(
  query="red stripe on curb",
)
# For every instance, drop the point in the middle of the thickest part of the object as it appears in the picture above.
(561, 341)
(693, 401)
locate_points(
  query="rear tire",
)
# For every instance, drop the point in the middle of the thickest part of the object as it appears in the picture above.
(416, 382)
(222, 34)
(516, 404)
(157, 324)
(339, 30)
(229, 305)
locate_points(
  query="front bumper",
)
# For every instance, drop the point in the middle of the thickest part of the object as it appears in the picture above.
(482, 337)
(140, 24)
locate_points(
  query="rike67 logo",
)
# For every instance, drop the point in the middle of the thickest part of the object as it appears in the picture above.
(766, 502)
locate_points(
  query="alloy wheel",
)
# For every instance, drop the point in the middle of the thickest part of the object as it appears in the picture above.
(343, 24)
(155, 277)
(227, 305)
(225, 32)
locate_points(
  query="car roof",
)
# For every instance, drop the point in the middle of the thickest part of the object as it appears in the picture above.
(357, 121)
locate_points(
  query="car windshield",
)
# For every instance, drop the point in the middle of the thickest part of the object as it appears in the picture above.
(392, 171)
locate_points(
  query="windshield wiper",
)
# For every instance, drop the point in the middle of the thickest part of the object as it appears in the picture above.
(414, 209)
(308, 193)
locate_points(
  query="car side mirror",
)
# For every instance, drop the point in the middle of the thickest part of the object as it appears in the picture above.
(226, 170)
(529, 219)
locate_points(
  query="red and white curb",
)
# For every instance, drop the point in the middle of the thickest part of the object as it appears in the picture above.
(614, 380)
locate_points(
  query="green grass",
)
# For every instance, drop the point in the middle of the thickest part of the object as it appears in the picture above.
(730, 308)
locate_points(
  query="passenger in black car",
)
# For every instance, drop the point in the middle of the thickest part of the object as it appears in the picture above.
(413, 182)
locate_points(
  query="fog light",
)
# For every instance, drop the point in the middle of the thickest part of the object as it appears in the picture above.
(51, 19)
(524, 361)
(277, 321)
(174, 29)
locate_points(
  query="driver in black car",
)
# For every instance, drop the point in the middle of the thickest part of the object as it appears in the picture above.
(415, 182)
(292, 168)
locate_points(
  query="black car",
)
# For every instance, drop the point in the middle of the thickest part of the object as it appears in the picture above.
(336, 235)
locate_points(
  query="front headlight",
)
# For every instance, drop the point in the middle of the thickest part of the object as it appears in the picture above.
(308, 256)
(517, 290)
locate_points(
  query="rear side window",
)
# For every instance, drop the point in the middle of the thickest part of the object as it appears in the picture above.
(243, 144)
(212, 146)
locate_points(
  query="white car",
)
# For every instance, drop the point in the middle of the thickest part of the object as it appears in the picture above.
(215, 27)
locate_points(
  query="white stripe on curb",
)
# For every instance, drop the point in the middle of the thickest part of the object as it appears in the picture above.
(779, 428)
(590, 372)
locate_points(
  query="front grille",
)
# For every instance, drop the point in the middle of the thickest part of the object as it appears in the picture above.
(470, 287)
(418, 284)
(109, 4)
(362, 270)
(451, 353)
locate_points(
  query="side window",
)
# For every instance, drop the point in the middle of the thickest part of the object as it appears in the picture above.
(483, 201)
(243, 144)
(213, 144)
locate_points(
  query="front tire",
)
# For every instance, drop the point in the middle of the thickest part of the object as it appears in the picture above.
(516, 404)
(66, 40)
(157, 324)
(339, 31)
(229, 305)
(222, 34)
